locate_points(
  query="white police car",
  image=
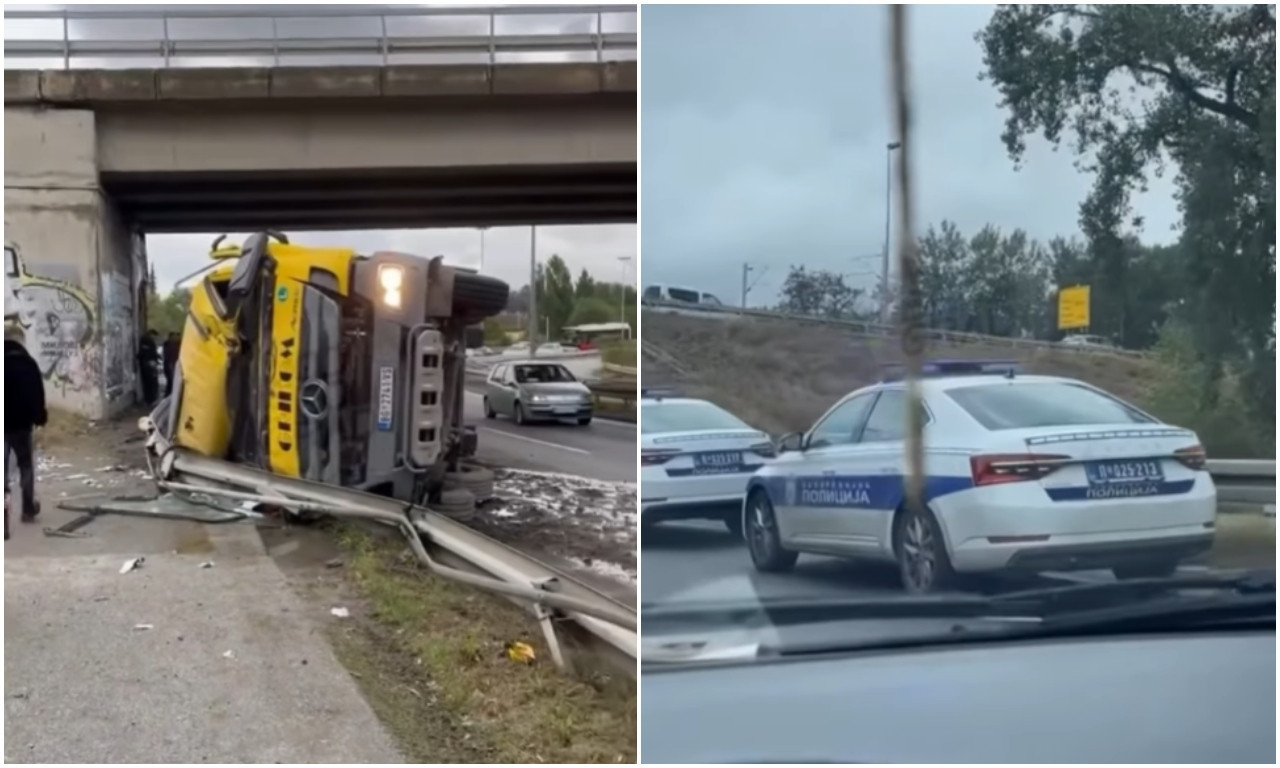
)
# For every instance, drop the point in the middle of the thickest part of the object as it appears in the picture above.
(1034, 473)
(695, 460)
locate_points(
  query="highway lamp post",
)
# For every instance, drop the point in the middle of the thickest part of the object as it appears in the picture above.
(533, 290)
(888, 216)
(623, 261)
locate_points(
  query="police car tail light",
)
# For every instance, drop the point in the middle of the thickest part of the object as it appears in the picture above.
(767, 450)
(655, 457)
(996, 468)
(1192, 456)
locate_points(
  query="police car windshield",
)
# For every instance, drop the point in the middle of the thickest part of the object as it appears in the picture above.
(1024, 404)
(669, 416)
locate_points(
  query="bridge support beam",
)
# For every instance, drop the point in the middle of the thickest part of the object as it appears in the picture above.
(73, 268)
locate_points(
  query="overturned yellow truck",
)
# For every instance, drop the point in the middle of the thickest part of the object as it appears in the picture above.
(327, 365)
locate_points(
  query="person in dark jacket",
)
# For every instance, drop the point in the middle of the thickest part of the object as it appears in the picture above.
(172, 345)
(24, 410)
(149, 367)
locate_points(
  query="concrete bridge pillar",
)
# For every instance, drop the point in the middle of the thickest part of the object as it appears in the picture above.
(73, 268)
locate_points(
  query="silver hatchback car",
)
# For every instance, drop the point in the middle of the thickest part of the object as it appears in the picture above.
(533, 390)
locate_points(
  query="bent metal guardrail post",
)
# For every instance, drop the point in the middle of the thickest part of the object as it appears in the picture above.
(267, 39)
(554, 597)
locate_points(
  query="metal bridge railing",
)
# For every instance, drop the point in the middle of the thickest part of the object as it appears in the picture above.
(317, 35)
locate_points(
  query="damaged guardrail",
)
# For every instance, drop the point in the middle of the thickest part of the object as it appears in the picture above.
(565, 608)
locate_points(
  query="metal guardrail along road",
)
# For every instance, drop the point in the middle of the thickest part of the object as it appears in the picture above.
(333, 36)
(877, 329)
(560, 603)
(1249, 482)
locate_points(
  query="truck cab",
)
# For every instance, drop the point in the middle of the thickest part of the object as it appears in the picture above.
(324, 364)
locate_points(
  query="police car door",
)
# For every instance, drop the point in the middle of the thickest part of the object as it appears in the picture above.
(820, 501)
(881, 463)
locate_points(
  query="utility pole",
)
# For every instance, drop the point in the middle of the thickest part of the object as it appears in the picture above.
(533, 290)
(746, 270)
(888, 216)
(622, 290)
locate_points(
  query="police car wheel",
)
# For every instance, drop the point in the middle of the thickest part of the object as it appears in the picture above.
(923, 563)
(767, 552)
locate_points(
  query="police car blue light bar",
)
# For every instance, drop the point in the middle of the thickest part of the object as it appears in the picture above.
(897, 371)
(657, 393)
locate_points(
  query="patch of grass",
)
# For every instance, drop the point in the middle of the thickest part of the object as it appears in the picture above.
(620, 353)
(433, 663)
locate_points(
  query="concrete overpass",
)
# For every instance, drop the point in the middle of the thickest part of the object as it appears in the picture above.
(96, 158)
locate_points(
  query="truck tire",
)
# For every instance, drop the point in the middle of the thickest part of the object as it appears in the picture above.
(475, 479)
(457, 504)
(478, 296)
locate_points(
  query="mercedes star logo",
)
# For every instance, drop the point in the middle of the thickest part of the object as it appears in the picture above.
(315, 399)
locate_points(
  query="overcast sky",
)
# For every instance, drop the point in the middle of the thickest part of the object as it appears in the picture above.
(596, 248)
(763, 133)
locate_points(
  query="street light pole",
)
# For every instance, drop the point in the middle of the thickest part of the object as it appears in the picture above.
(888, 216)
(482, 231)
(533, 290)
(746, 270)
(622, 290)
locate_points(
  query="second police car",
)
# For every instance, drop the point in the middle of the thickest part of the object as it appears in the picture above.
(695, 460)
(1034, 473)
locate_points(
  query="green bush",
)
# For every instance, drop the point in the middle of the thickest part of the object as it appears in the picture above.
(1187, 392)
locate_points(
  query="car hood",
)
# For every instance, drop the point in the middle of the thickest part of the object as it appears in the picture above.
(555, 388)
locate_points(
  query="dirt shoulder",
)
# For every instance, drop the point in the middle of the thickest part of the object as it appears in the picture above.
(434, 658)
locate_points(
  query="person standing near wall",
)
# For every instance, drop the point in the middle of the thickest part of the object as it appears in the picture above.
(24, 410)
(172, 344)
(148, 367)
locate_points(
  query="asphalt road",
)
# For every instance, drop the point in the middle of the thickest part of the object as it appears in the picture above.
(695, 560)
(604, 450)
(701, 560)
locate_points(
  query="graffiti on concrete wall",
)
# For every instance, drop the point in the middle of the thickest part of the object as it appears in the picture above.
(58, 322)
(117, 336)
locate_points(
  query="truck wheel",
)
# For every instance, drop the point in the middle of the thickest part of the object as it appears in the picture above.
(456, 503)
(478, 296)
(472, 478)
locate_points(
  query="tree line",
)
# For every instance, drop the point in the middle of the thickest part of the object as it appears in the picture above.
(1133, 91)
(563, 301)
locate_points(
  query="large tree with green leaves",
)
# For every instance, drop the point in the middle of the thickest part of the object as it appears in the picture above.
(1141, 89)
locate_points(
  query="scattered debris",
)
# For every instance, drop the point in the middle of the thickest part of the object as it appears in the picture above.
(58, 533)
(521, 652)
(132, 565)
(340, 612)
(143, 627)
(334, 563)
(228, 654)
(585, 522)
(207, 564)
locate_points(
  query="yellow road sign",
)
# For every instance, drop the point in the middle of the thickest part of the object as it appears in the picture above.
(1073, 307)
